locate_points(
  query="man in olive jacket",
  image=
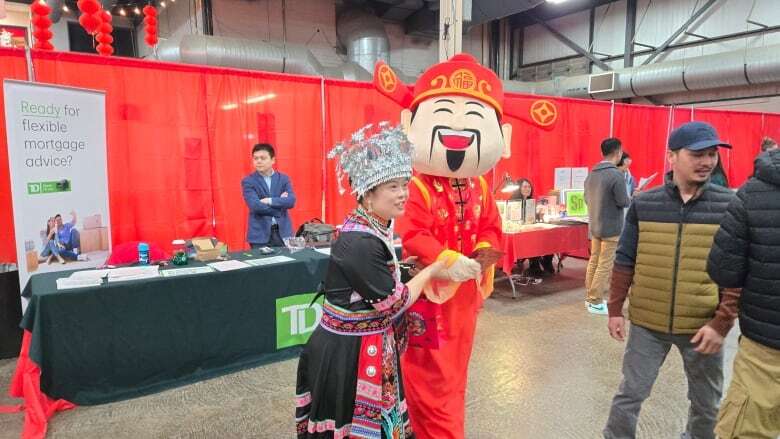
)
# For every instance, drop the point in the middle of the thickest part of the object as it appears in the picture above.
(745, 260)
(662, 257)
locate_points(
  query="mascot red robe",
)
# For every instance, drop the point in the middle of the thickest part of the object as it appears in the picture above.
(453, 117)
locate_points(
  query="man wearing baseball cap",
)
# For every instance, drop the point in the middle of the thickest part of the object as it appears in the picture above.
(662, 258)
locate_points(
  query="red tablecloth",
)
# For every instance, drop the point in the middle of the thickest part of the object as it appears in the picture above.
(544, 240)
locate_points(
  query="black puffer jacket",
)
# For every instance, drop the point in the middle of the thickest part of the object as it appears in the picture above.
(746, 252)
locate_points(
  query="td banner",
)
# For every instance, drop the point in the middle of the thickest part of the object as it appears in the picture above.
(59, 186)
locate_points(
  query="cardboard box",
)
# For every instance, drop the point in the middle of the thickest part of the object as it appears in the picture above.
(104, 238)
(32, 260)
(205, 250)
(92, 222)
(93, 240)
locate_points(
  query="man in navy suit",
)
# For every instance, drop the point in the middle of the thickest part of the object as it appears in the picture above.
(269, 195)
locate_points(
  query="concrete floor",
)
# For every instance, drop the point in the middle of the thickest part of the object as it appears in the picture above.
(542, 368)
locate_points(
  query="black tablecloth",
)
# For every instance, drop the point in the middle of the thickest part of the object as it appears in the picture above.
(10, 314)
(125, 339)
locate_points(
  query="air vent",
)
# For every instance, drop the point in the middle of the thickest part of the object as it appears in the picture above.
(602, 82)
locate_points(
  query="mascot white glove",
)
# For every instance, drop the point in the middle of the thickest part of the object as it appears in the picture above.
(459, 268)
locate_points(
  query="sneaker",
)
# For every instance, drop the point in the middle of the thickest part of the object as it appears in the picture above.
(82, 258)
(600, 309)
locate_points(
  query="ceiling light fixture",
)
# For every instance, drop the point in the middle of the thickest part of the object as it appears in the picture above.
(227, 107)
(555, 1)
(137, 11)
(65, 8)
(162, 4)
(122, 12)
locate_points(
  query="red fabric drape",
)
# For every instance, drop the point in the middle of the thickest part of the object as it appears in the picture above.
(12, 66)
(644, 132)
(743, 131)
(248, 108)
(573, 142)
(179, 140)
(348, 107)
(26, 384)
(158, 161)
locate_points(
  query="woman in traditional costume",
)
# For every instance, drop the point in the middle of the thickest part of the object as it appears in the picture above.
(349, 377)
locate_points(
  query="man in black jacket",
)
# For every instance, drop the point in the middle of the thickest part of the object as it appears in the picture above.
(746, 256)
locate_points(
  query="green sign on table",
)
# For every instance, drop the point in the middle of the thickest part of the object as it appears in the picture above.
(296, 320)
(575, 203)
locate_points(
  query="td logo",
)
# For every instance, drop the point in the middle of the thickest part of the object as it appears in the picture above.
(296, 320)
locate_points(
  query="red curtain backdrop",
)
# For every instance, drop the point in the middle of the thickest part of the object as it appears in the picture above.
(348, 107)
(180, 137)
(12, 66)
(643, 131)
(158, 160)
(744, 132)
(573, 142)
(249, 108)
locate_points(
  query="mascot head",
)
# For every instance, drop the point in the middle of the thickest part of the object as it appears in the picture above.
(453, 116)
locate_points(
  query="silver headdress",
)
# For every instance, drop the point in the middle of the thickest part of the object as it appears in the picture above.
(372, 159)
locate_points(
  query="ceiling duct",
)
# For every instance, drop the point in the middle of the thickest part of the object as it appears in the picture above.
(364, 36)
(727, 70)
(240, 53)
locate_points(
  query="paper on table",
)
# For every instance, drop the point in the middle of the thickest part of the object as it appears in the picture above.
(644, 181)
(269, 261)
(186, 270)
(134, 272)
(324, 251)
(66, 283)
(578, 176)
(89, 274)
(562, 178)
(230, 264)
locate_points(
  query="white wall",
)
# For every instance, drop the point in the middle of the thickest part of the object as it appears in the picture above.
(656, 21)
(308, 22)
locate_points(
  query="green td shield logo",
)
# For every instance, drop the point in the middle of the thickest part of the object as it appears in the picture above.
(296, 320)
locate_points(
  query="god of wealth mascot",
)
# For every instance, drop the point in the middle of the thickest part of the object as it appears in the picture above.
(453, 117)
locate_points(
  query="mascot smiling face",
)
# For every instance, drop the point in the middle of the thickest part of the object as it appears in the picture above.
(456, 136)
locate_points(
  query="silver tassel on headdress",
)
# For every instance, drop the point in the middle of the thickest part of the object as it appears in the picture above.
(371, 158)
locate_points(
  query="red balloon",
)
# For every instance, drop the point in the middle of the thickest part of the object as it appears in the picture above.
(89, 22)
(106, 16)
(151, 40)
(41, 21)
(88, 6)
(151, 30)
(105, 38)
(150, 21)
(104, 49)
(150, 11)
(105, 28)
(42, 35)
(40, 8)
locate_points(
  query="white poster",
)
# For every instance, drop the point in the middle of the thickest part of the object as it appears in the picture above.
(578, 176)
(562, 179)
(57, 159)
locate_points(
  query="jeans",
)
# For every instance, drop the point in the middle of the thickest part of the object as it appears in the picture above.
(646, 351)
(72, 246)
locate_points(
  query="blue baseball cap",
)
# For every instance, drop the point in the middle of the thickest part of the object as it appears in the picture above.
(695, 136)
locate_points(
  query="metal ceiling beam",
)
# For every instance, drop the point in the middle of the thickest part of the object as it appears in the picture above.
(679, 31)
(571, 44)
(628, 50)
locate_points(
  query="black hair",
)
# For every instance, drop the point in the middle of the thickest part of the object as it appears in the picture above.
(264, 147)
(518, 194)
(623, 159)
(610, 145)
